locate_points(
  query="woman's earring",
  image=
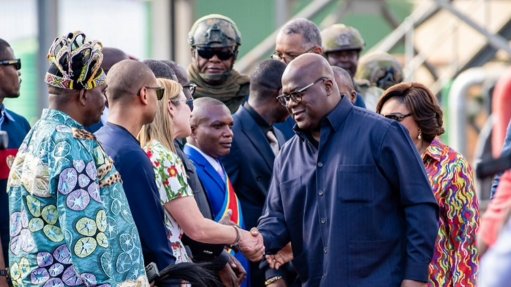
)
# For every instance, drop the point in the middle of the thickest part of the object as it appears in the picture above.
(419, 137)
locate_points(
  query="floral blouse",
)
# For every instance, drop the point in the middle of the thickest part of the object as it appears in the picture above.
(455, 259)
(171, 180)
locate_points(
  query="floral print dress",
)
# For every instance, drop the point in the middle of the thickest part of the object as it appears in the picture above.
(171, 180)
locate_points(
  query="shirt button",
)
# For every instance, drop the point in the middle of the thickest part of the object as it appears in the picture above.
(321, 193)
(323, 220)
(324, 250)
(320, 164)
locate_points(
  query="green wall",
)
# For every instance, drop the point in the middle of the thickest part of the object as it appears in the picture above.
(26, 104)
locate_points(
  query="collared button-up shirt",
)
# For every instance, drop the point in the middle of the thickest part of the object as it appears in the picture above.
(455, 260)
(357, 207)
(70, 223)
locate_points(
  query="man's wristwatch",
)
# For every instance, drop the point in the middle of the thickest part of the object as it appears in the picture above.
(4, 272)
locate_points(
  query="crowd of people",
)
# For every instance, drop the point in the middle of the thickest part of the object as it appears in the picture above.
(305, 173)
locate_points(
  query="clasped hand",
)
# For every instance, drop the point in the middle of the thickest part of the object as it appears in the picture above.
(251, 244)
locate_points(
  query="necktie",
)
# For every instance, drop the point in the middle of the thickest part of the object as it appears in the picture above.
(272, 139)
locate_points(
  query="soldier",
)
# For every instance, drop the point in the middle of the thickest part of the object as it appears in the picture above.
(380, 69)
(342, 46)
(214, 41)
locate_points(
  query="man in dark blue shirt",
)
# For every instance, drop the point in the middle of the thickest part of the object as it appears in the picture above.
(349, 190)
(132, 98)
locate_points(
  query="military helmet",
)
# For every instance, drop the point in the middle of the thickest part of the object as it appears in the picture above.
(339, 37)
(380, 69)
(214, 30)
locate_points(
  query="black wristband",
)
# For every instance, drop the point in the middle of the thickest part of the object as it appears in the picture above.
(4, 272)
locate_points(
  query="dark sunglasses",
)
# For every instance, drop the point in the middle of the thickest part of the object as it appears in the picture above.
(189, 102)
(191, 87)
(159, 91)
(16, 63)
(207, 53)
(397, 117)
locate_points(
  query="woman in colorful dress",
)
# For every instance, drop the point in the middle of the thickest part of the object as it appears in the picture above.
(455, 259)
(183, 215)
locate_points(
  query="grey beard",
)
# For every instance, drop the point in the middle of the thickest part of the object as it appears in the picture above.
(215, 78)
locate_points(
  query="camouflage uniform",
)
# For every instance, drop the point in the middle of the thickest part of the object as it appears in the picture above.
(380, 69)
(217, 31)
(340, 37)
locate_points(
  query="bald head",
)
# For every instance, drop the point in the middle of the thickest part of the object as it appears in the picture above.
(309, 91)
(202, 106)
(126, 78)
(344, 83)
(307, 68)
(112, 56)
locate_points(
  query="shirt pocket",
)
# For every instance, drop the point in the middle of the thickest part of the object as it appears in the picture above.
(356, 183)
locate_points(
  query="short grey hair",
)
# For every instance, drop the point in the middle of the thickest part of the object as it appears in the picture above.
(309, 31)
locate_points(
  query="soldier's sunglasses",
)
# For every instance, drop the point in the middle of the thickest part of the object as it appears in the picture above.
(16, 63)
(208, 53)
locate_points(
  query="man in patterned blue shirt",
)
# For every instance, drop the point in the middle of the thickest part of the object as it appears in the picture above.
(70, 223)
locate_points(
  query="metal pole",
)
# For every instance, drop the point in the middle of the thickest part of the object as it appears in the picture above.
(417, 18)
(281, 12)
(494, 40)
(47, 25)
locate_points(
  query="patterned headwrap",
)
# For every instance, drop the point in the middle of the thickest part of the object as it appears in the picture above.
(75, 63)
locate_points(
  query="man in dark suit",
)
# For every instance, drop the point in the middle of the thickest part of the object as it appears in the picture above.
(255, 144)
(250, 162)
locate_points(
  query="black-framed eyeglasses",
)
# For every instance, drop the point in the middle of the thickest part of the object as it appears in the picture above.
(286, 58)
(297, 95)
(208, 53)
(189, 102)
(191, 87)
(159, 91)
(16, 63)
(397, 117)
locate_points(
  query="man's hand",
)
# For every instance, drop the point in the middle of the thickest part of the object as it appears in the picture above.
(226, 220)
(238, 269)
(3, 282)
(411, 283)
(251, 244)
(227, 276)
(282, 257)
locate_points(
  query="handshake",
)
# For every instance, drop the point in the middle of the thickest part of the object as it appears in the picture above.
(250, 243)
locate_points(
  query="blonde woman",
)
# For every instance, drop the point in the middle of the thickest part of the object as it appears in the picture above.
(183, 215)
